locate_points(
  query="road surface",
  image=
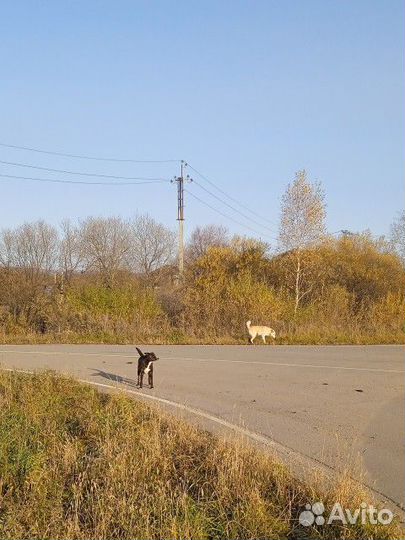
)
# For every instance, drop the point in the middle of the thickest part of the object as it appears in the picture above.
(327, 405)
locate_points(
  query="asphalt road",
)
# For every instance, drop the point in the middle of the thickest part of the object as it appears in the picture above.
(330, 406)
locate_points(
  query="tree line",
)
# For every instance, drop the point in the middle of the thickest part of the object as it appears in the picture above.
(115, 280)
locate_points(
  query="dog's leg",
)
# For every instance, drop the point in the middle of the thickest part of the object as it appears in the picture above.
(141, 380)
(150, 379)
(264, 338)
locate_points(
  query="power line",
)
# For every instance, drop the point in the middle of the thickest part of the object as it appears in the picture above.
(57, 181)
(93, 158)
(225, 215)
(80, 173)
(230, 197)
(231, 207)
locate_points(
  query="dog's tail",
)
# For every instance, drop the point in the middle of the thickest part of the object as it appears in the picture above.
(248, 323)
(139, 351)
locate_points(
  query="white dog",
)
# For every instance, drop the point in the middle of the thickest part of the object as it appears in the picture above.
(259, 331)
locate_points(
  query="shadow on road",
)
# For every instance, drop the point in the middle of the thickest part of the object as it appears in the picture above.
(113, 377)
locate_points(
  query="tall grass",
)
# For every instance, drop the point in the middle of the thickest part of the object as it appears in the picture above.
(78, 464)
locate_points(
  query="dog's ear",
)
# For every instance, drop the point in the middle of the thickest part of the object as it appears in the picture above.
(139, 351)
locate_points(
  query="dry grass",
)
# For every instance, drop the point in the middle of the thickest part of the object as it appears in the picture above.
(78, 464)
(312, 337)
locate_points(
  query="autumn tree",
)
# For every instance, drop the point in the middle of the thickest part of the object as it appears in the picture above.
(225, 287)
(302, 226)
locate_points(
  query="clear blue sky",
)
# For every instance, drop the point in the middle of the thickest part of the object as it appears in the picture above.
(248, 92)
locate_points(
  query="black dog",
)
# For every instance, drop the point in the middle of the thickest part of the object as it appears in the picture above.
(145, 365)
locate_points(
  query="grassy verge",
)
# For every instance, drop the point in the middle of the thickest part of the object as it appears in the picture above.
(78, 464)
(304, 338)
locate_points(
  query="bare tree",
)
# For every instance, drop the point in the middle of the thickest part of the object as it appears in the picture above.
(153, 245)
(71, 255)
(398, 235)
(106, 245)
(302, 225)
(245, 244)
(29, 254)
(7, 241)
(32, 247)
(202, 238)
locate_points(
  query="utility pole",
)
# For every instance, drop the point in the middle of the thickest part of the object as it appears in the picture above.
(180, 214)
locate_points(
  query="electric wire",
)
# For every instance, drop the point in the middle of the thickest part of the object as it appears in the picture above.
(227, 216)
(79, 173)
(232, 207)
(58, 181)
(93, 158)
(139, 180)
(229, 196)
